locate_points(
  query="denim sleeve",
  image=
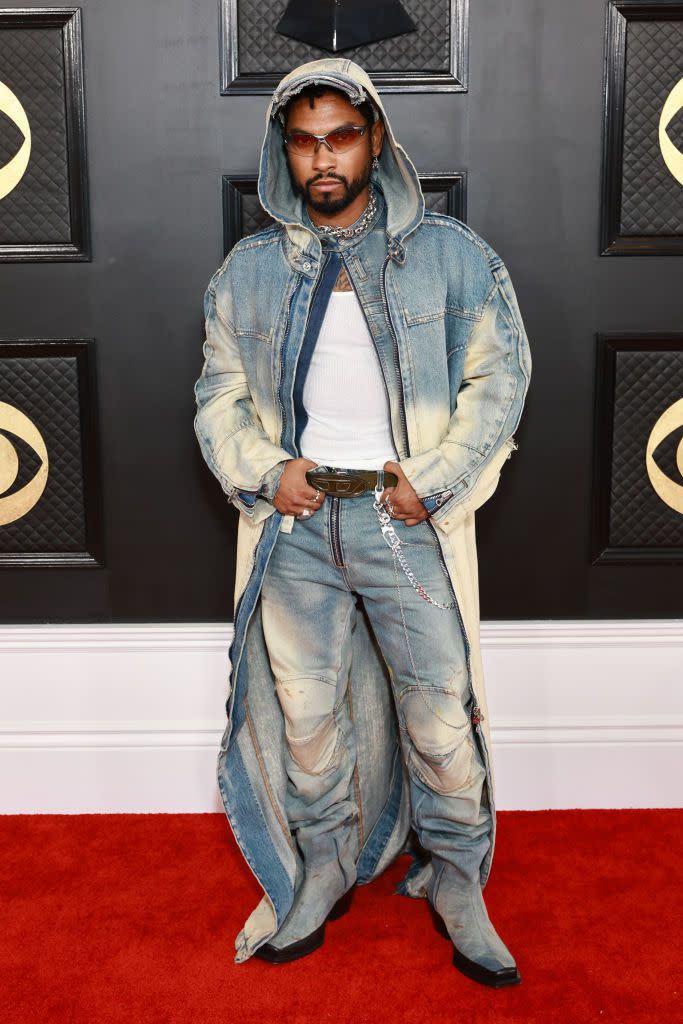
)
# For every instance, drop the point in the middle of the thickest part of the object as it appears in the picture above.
(271, 481)
(490, 400)
(228, 428)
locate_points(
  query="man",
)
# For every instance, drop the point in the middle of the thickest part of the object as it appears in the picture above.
(366, 366)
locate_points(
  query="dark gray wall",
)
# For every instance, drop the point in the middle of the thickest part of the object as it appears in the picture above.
(159, 137)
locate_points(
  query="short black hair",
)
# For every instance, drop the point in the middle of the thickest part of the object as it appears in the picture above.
(317, 89)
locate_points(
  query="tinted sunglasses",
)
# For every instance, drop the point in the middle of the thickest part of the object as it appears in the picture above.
(338, 141)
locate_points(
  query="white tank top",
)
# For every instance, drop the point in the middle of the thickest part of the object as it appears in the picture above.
(344, 393)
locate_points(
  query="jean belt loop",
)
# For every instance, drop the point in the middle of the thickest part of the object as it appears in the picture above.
(380, 480)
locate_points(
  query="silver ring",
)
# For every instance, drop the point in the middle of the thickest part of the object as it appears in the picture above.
(317, 494)
(306, 512)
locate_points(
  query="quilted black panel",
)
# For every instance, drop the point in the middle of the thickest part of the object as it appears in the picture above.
(437, 202)
(37, 210)
(45, 388)
(646, 384)
(652, 199)
(254, 217)
(262, 50)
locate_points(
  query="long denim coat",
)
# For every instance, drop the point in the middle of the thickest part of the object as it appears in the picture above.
(454, 354)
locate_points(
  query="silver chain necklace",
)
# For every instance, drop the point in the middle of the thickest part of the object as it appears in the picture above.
(357, 226)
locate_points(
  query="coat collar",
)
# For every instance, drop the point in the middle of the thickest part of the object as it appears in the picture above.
(304, 252)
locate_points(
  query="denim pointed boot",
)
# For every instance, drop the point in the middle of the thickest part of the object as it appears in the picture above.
(325, 894)
(460, 913)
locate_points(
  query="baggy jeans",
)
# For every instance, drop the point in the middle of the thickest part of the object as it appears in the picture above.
(313, 579)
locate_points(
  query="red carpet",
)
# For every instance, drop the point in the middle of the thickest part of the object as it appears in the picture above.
(110, 918)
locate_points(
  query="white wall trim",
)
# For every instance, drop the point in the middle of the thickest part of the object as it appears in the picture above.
(191, 635)
(118, 638)
(583, 633)
(113, 718)
(98, 734)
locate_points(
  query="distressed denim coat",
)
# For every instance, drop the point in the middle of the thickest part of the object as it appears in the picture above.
(455, 358)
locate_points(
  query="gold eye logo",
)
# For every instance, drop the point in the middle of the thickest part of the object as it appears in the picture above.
(13, 171)
(673, 158)
(667, 489)
(14, 422)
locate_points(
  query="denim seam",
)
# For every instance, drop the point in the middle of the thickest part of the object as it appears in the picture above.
(340, 648)
(360, 269)
(235, 430)
(264, 775)
(455, 350)
(340, 701)
(225, 480)
(278, 347)
(360, 828)
(424, 318)
(238, 835)
(461, 311)
(385, 831)
(341, 643)
(448, 310)
(512, 324)
(223, 319)
(335, 759)
(438, 220)
(306, 675)
(245, 246)
(437, 885)
(258, 335)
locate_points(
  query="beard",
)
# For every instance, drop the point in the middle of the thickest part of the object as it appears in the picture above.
(325, 202)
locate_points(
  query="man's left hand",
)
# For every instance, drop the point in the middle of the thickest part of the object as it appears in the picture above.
(406, 504)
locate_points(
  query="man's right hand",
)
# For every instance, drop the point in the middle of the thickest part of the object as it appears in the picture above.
(295, 493)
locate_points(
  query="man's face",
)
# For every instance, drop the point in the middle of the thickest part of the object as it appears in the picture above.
(348, 173)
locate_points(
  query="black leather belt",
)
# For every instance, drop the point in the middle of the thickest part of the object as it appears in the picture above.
(346, 483)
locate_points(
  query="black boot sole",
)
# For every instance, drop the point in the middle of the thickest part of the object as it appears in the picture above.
(302, 947)
(471, 969)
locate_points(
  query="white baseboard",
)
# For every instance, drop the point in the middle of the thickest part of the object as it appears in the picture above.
(127, 718)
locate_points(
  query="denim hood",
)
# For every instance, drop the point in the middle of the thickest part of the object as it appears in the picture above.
(396, 176)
